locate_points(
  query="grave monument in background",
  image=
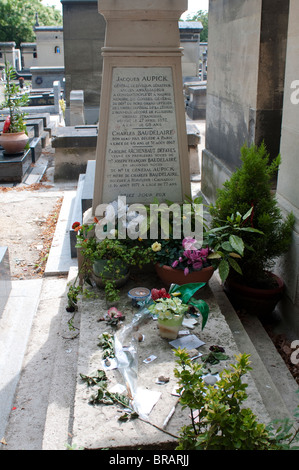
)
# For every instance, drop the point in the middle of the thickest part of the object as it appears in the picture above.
(142, 148)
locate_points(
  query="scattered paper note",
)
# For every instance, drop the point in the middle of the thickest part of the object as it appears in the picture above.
(183, 333)
(118, 388)
(188, 342)
(189, 323)
(145, 400)
(149, 359)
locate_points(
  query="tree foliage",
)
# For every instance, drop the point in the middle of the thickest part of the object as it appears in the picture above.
(18, 17)
(201, 16)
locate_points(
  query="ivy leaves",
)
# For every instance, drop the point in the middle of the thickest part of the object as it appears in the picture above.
(98, 381)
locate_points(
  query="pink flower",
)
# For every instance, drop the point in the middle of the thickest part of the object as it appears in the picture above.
(188, 243)
(204, 252)
(114, 313)
(186, 271)
(175, 263)
(197, 265)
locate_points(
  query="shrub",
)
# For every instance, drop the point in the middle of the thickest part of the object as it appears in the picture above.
(250, 188)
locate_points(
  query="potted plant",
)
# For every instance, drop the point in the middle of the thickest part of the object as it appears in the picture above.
(105, 262)
(250, 189)
(170, 307)
(14, 137)
(182, 261)
(188, 260)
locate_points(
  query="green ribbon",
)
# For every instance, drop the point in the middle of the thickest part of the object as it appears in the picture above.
(186, 294)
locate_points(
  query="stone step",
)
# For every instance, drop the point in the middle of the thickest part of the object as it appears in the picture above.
(276, 385)
(38, 362)
(51, 127)
(15, 328)
(37, 124)
(60, 260)
(36, 172)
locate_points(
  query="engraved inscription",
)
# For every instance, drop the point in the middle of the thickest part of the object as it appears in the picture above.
(142, 157)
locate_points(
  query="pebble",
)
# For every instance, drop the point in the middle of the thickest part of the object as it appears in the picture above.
(210, 379)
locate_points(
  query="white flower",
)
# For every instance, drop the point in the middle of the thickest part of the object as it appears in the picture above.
(156, 246)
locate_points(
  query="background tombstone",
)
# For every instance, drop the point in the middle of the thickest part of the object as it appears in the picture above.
(142, 149)
(77, 108)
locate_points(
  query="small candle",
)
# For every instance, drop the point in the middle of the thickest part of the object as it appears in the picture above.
(138, 294)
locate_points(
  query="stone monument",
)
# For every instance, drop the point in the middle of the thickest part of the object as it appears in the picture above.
(142, 148)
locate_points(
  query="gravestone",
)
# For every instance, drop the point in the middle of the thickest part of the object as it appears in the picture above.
(142, 148)
(77, 108)
(196, 108)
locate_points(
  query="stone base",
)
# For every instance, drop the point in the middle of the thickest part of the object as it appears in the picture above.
(74, 146)
(14, 167)
(196, 113)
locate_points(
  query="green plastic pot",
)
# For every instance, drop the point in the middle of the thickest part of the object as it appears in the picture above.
(169, 328)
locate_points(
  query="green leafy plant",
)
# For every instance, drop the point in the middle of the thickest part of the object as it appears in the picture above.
(99, 382)
(106, 341)
(14, 100)
(219, 420)
(226, 241)
(250, 189)
(222, 247)
(119, 255)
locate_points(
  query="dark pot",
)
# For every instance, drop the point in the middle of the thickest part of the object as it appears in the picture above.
(258, 301)
(98, 268)
(170, 275)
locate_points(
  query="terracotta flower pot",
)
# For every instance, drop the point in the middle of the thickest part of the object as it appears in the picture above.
(170, 275)
(13, 142)
(258, 301)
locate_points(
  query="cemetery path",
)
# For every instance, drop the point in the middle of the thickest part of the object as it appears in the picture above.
(29, 213)
(28, 221)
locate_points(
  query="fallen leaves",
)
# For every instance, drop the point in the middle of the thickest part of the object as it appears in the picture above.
(283, 346)
(47, 237)
(29, 187)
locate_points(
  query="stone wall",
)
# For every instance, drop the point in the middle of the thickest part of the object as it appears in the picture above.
(288, 176)
(247, 44)
(84, 34)
(49, 46)
(253, 95)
